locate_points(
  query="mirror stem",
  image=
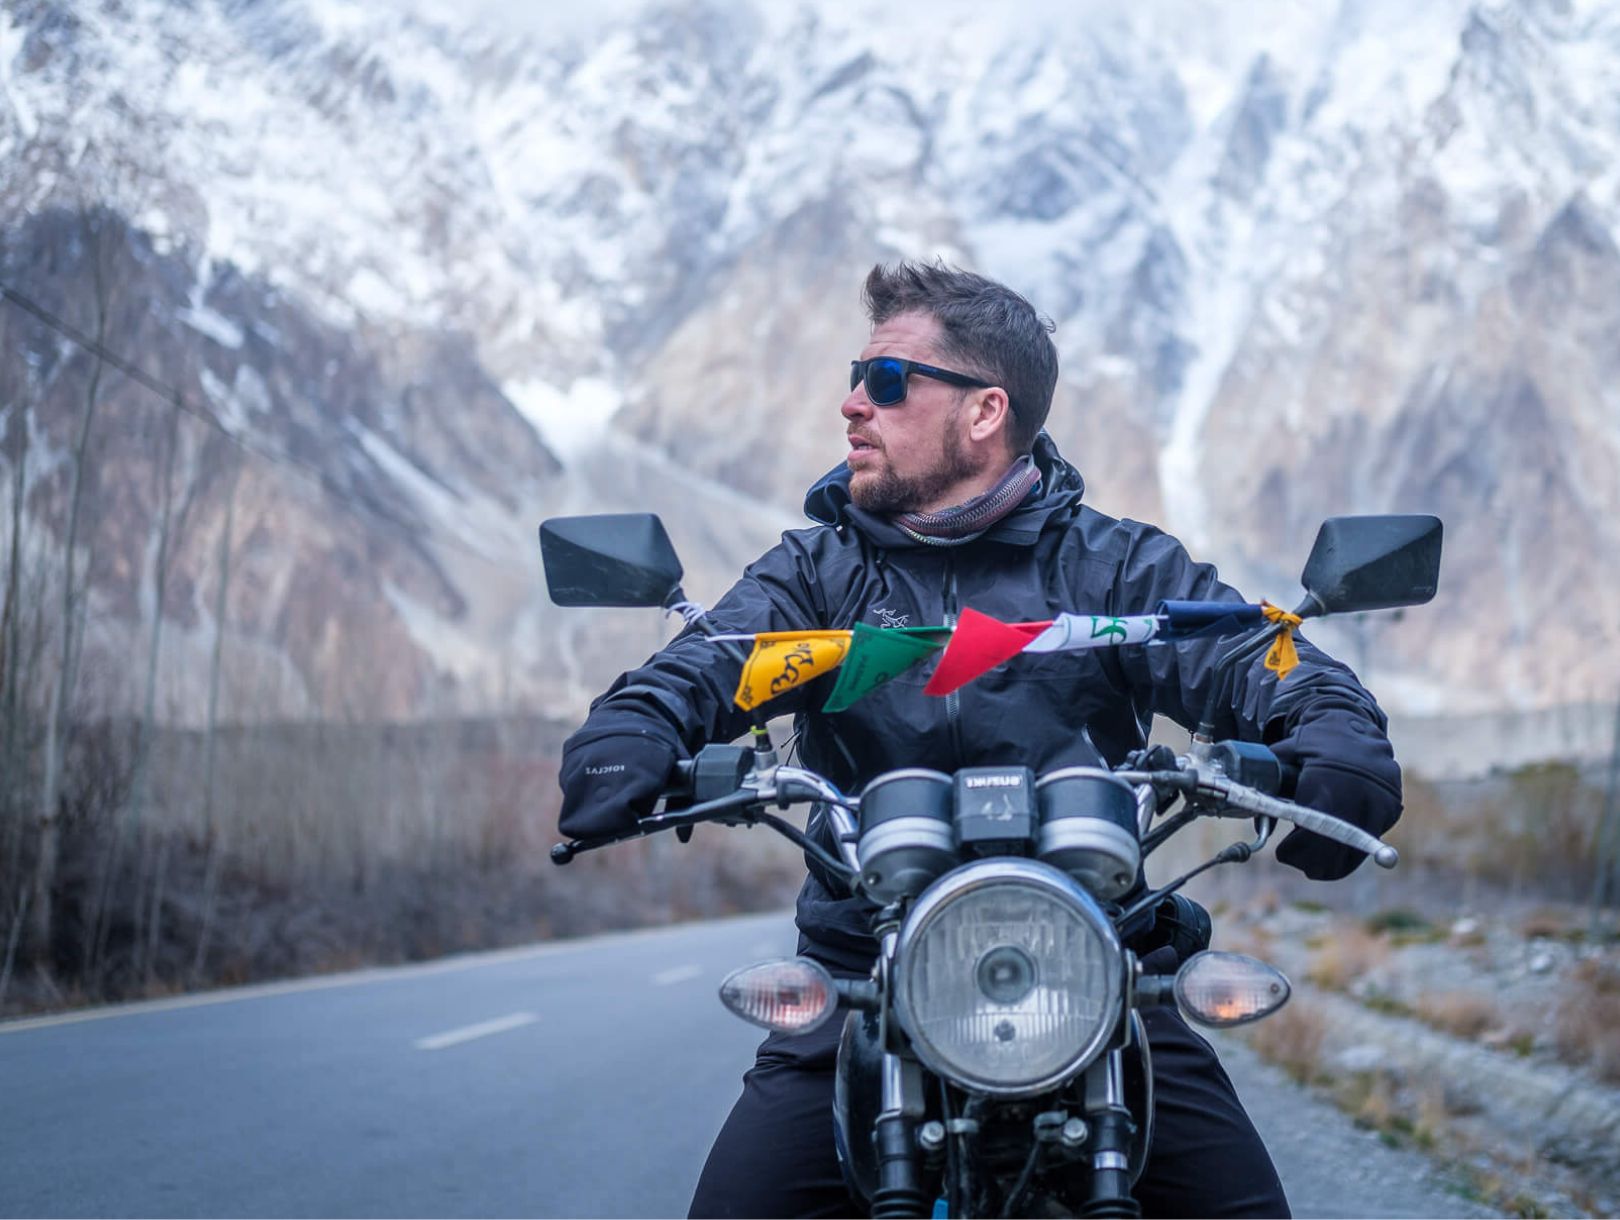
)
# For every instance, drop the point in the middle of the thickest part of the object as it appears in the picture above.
(1243, 651)
(1310, 607)
(677, 598)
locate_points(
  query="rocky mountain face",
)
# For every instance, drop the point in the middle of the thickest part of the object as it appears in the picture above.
(462, 273)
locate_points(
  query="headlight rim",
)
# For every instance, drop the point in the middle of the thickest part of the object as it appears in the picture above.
(964, 880)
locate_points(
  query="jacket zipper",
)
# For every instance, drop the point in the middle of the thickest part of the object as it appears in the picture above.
(953, 701)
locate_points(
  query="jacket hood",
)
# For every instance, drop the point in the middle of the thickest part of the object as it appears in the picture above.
(1059, 491)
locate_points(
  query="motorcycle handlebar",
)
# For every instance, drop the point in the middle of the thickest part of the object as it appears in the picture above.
(790, 785)
(783, 786)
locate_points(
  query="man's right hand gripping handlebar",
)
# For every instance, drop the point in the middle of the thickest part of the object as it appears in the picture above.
(610, 780)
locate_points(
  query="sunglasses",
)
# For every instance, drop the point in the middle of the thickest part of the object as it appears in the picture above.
(886, 376)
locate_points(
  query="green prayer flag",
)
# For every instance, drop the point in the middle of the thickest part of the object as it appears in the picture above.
(877, 654)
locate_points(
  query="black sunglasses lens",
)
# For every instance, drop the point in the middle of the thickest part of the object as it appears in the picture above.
(885, 382)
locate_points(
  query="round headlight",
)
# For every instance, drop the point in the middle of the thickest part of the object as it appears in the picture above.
(1008, 977)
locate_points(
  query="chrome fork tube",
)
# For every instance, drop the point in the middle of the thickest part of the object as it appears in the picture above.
(1113, 1130)
(899, 1191)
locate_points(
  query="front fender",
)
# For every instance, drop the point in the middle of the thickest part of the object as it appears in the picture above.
(857, 1098)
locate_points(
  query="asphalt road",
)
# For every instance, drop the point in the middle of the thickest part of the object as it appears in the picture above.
(579, 1079)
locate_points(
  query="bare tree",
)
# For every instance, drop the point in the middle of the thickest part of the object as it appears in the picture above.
(214, 831)
(15, 443)
(146, 946)
(94, 226)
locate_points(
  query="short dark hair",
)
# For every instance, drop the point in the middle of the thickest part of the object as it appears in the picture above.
(991, 330)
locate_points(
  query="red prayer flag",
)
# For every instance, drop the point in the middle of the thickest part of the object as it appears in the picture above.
(978, 645)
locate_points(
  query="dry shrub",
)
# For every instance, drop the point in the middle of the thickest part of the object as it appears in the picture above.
(1434, 1111)
(1252, 939)
(1531, 830)
(1547, 923)
(1587, 1030)
(1466, 1014)
(1345, 955)
(1371, 1099)
(1266, 901)
(1293, 1039)
(1397, 920)
(1467, 934)
(331, 846)
(1399, 1110)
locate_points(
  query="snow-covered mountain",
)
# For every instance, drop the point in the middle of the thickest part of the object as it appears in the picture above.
(1303, 260)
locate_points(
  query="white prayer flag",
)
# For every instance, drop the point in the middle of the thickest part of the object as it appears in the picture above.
(1072, 632)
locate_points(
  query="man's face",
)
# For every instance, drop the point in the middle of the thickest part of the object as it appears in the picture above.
(914, 456)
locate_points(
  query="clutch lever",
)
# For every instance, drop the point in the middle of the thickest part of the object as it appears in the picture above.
(563, 853)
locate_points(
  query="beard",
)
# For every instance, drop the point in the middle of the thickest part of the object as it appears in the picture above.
(884, 492)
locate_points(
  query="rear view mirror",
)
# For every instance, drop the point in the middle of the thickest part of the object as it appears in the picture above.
(615, 559)
(1372, 563)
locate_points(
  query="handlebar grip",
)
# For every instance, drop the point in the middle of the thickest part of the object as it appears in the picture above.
(677, 793)
(1290, 780)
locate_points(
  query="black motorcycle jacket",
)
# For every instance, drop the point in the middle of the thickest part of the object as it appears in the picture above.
(1051, 555)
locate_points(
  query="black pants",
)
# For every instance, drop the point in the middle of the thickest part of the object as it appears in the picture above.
(775, 1155)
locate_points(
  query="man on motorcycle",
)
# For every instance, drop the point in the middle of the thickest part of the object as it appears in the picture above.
(953, 497)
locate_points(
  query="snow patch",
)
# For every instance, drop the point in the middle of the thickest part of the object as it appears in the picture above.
(755, 510)
(1113, 366)
(236, 405)
(210, 322)
(438, 639)
(479, 524)
(569, 421)
(11, 41)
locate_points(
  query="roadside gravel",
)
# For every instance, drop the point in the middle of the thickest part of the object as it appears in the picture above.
(1484, 1039)
(1330, 1166)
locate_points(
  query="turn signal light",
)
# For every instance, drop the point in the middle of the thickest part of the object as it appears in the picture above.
(790, 995)
(1224, 989)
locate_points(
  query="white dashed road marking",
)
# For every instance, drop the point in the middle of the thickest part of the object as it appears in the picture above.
(468, 1032)
(678, 974)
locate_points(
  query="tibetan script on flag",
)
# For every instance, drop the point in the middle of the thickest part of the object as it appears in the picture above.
(782, 660)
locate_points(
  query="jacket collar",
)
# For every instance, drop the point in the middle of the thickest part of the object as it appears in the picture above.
(1059, 491)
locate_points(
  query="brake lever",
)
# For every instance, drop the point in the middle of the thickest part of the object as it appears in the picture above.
(1238, 797)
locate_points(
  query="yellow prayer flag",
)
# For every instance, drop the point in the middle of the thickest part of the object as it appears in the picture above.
(783, 659)
(1283, 656)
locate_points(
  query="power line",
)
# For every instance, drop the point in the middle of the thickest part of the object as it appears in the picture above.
(176, 400)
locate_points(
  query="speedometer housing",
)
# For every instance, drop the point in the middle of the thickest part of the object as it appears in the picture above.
(1008, 977)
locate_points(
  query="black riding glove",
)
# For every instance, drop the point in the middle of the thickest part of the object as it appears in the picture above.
(609, 780)
(1346, 768)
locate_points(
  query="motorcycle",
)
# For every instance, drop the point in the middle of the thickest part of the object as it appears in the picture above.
(995, 1061)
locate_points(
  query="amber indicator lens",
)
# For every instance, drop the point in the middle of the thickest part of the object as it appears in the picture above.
(790, 995)
(1224, 989)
